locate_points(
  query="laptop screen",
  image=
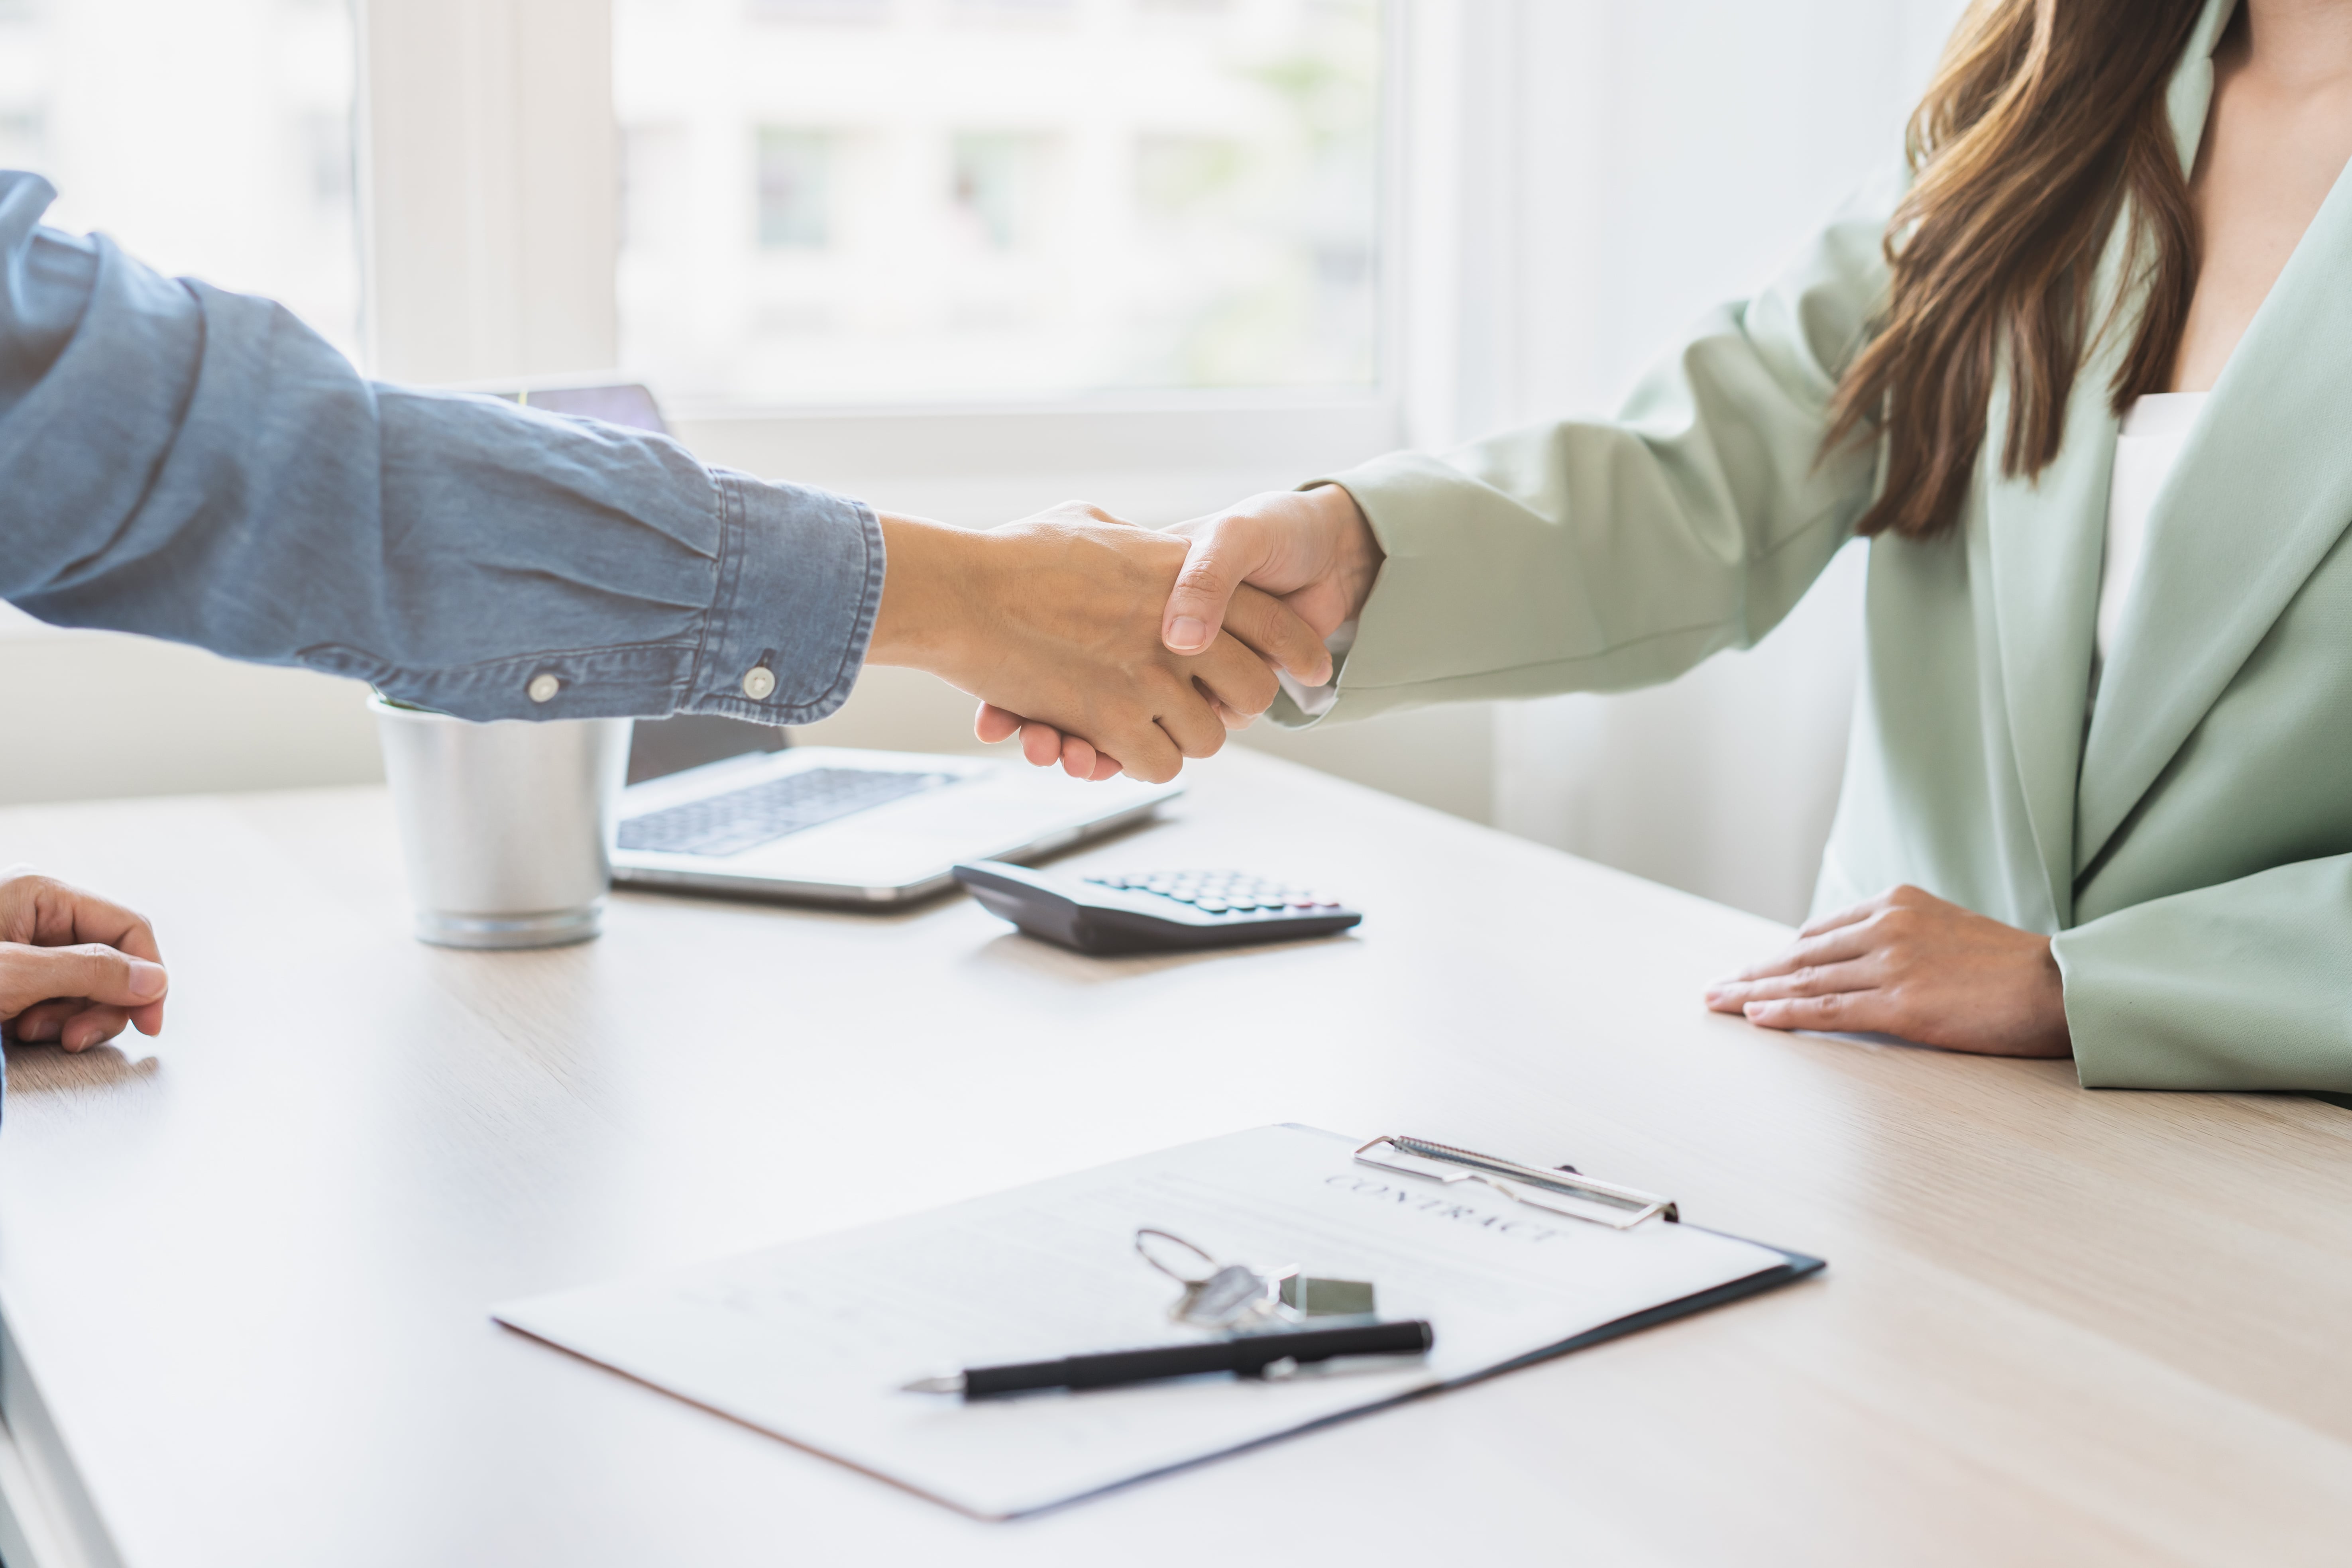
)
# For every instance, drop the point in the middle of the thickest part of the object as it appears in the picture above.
(631, 405)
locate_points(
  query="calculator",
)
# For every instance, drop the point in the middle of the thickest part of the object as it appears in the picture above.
(1152, 911)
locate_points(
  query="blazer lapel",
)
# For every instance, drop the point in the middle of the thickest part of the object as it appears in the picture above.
(2047, 537)
(2044, 537)
(2260, 494)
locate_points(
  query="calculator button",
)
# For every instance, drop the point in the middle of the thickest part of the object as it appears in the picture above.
(1231, 894)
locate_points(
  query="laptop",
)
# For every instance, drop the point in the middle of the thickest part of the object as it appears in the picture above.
(718, 807)
(828, 825)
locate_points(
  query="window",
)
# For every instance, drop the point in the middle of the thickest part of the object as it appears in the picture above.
(999, 189)
(795, 192)
(211, 140)
(878, 201)
(818, 10)
(208, 139)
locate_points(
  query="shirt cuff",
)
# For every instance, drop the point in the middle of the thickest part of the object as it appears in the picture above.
(1314, 701)
(800, 581)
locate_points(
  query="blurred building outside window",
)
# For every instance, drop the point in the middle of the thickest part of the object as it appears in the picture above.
(209, 137)
(795, 189)
(876, 202)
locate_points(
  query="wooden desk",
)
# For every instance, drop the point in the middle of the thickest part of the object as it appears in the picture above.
(245, 1279)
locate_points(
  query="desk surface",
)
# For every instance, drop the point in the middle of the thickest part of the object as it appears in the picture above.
(244, 1276)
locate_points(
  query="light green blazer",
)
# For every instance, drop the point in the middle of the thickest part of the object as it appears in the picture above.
(2192, 852)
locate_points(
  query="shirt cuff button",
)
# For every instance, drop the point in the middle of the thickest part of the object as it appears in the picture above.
(759, 683)
(542, 688)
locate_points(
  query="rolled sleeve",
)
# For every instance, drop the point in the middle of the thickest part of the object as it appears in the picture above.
(800, 581)
(790, 593)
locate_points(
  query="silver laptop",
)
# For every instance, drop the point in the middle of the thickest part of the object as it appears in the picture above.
(718, 807)
(834, 825)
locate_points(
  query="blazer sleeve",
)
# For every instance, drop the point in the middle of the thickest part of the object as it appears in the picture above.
(2242, 985)
(1591, 554)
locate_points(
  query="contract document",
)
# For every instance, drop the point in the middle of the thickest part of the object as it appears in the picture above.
(814, 1341)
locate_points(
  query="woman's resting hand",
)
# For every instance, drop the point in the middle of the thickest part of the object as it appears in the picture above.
(74, 968)
(1911, 964)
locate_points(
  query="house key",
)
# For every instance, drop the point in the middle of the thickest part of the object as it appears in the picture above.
(1239, 1299)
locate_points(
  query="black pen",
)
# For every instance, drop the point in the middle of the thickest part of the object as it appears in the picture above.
(1251, 1355)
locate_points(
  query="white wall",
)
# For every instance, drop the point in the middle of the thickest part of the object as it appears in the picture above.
(1651, 160)
(90, 715)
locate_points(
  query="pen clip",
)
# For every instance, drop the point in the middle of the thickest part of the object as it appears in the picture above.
(1555, 1192)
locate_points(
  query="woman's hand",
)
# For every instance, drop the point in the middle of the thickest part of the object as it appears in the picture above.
(1312, 548)
(74, 968)
(1910, 964)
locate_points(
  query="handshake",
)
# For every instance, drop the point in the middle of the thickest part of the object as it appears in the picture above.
(1112, 648)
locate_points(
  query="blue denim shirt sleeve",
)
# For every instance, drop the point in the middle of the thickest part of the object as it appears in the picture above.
(198, 464)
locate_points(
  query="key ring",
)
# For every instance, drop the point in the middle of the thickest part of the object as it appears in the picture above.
(1230, 1296)
(1187, 1280)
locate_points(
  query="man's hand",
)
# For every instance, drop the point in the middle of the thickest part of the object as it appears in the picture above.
(1058, 617)
(1312, 548)
(1910, 964)
(74, 968)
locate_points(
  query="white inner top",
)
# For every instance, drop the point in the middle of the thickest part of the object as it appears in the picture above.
(1317, 700)
(2156, 427)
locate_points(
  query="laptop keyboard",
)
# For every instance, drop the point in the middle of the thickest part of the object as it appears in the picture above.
(762, 813)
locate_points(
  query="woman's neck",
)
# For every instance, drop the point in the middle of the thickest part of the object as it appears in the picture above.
(2293, 46)
(2274, 146)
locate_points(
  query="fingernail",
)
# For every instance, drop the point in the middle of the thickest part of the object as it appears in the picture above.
(147, 980)
(1188, 634)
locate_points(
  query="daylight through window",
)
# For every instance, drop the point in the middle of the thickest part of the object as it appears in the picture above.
(848, 201)
(211, 141)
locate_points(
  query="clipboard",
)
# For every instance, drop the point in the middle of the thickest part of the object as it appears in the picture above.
(813, 1341)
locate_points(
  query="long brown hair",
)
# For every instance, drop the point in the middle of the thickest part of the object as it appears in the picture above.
(2045, 122)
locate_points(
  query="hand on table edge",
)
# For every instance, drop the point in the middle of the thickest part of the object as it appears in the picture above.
(1911, 964)
(75, 968)
(1314, 550)
(1059, 614)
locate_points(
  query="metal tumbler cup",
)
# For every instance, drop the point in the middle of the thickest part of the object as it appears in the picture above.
(507, 827)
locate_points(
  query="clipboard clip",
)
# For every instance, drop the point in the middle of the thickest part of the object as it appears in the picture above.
(1555, 1192)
